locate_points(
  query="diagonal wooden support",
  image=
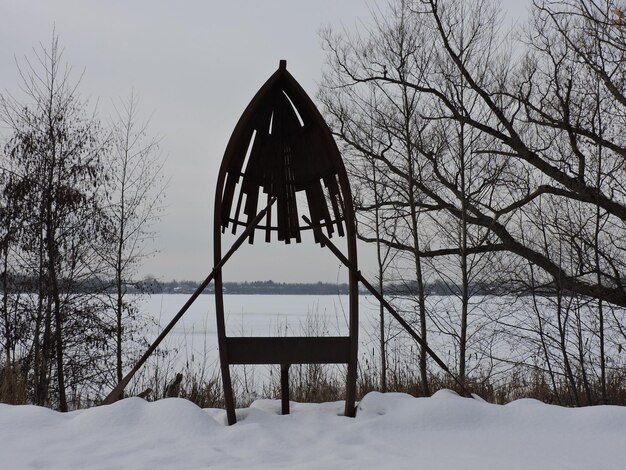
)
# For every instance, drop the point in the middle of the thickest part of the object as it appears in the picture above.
(119, 388)
(337, 252)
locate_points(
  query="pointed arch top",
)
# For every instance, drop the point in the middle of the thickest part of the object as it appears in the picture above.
(282, 146)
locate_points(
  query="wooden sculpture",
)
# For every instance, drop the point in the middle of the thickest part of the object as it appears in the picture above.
(280, 147)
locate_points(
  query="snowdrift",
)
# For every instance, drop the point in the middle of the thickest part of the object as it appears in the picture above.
(390, 431)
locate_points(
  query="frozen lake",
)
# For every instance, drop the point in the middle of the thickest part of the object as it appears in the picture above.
(194, 338)
(195, 335)
(192, 344)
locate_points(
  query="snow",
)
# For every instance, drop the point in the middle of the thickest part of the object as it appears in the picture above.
(390, 431)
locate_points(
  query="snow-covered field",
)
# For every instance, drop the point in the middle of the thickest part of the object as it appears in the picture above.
(390, 431)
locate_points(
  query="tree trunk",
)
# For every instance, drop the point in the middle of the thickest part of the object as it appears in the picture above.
(563, 346)
(381, 284)
(421, 296)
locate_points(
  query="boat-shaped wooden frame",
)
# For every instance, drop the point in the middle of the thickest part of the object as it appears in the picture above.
(286, 350)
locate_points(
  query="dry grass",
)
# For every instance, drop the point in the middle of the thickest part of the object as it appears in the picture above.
(314, 383)
(321, 383)
(13, 388)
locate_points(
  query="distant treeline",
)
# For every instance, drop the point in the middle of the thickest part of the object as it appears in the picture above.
(313, 288)
(151, 285)
(255, 287)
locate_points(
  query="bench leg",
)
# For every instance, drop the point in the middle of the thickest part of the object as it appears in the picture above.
(284, 388)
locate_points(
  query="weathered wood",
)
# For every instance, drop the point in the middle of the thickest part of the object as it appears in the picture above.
(288, 350)
(285, 156)
(289, 149)
(284, 388)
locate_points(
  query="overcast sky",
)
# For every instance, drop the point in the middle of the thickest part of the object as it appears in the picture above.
(195, 65)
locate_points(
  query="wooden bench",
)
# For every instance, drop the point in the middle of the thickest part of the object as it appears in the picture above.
(287, 350)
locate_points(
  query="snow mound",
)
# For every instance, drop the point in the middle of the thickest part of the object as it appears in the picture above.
(131, 433)
(391, 430)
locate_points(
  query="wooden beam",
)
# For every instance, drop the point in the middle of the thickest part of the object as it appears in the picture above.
(288, 350)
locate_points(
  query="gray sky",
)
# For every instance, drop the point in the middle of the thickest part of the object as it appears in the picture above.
(195, 66)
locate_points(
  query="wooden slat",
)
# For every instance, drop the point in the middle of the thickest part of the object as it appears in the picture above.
(288, 350)
(333, 191)
(268, 229)
(236, 216)
(227, 197)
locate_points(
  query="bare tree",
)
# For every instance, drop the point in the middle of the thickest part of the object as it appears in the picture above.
(530, 116)
(394, 115)
(523, 154)
(54, 153)
(135, 193)
(370, 189)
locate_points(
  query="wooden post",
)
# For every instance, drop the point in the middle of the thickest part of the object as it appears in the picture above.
(284, 388)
